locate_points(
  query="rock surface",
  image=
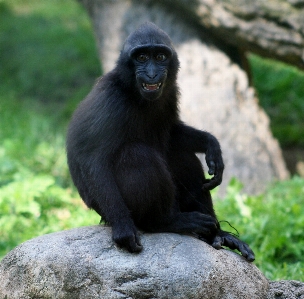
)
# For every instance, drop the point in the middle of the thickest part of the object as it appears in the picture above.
(286, 289)
(84, 263)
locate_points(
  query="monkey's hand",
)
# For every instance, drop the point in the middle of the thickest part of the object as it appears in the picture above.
(127, 236)
(226, 239)
(215, 163)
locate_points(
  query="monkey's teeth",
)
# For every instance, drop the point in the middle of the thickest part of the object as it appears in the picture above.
(151, 87)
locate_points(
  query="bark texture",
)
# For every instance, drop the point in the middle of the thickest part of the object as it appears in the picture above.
(215, 93)
(270, 28)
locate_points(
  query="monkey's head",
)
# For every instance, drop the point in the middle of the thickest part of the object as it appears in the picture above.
(150, 61)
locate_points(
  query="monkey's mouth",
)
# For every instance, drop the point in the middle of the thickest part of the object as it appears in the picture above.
(151, 87)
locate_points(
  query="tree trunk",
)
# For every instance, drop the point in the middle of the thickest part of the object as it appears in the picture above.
(273, 28)
(215, 94)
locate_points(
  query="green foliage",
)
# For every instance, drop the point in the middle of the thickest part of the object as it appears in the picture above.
(47, 49)
(47, 54)
(280, 90)
(36, 194)
(271, 223)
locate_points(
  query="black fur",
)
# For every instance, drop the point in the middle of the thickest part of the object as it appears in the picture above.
(133, 160)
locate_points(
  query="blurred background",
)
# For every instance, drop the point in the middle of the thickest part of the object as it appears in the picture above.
(48, 63)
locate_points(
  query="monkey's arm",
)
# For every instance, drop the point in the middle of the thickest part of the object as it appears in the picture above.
(104, 197)
(186, 138)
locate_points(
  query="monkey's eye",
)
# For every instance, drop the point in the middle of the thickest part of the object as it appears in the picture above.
(142, 57)
(161, 57)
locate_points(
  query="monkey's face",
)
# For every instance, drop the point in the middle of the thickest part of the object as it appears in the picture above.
(151, 66)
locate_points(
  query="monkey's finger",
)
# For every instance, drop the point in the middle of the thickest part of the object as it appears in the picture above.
(135, 249)
(137, 239)
(133, 246)
(247, 252)
(217, 242)
(218, 178)
(243, 248)
(211, 166)
(211, 184)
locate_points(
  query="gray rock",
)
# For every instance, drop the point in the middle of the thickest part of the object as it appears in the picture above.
(286, 289)
(84, 263)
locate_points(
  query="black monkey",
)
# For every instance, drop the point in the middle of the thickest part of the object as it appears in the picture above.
(133, 160)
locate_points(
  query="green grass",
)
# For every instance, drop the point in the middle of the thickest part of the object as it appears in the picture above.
(36, 193)
(281, 90)
(47, 50)
(271, 223)
(48, 63)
